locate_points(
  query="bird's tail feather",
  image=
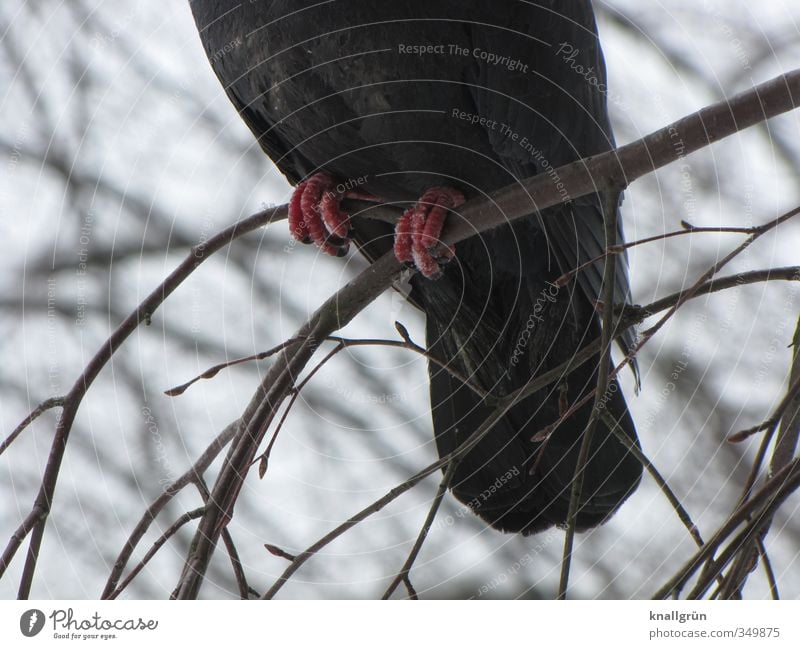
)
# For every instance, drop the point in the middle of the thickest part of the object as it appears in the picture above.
(500, 339)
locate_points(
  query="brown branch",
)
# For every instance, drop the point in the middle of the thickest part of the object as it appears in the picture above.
(49, 404)
(762, 505)
(610, 218)
(613, 169)
(189, 477)
(680, 510)
(211, 372)
(402, 577)
(620, 167)
(619, 248)
(37, 518)
(263, 460)
(238, 569)
(636, 314)
(787, 415)
(504, 405)
(168, 534)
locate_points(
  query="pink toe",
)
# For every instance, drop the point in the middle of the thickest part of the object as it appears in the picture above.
(297, 226)
(314, 213)
(402, 239)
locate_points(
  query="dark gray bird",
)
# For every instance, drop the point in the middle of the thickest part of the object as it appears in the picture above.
(430, 102)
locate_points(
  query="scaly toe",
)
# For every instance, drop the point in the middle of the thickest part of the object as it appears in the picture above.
(315, 215)
(418, 232)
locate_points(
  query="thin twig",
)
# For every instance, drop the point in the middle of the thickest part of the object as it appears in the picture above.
(406, 343)
(35, 521)
(236, 563)
(279, 552)
(263, 460)
(614, 169)
(230, 547)
(773, 583)
(49, 404)
(166, 536)
(189, 477)
(403, 575)
(787, 415)
(216, 369)
(619, 248)
(412, 593)
(680, 510)
(610, 215)
(765, 501)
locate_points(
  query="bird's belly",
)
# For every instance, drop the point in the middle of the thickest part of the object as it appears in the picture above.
(386, 94)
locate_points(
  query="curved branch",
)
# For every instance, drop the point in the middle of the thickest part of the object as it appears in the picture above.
(631, 316)
(613, 169)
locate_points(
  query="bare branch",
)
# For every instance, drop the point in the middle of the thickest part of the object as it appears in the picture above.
(49, 404)
(403, 576)
(613, 169)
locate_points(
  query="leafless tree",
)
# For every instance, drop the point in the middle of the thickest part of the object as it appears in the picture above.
(125, 166)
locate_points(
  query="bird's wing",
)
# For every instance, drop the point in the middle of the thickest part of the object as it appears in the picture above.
(550, 92)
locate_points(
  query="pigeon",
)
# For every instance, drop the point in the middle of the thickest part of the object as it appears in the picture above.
(425, 105)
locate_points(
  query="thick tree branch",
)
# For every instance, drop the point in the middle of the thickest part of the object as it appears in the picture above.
(613, 169)
(620, 167)
(636, 315)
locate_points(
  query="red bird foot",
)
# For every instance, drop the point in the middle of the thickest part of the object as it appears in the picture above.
(417, 235)
(315, 216)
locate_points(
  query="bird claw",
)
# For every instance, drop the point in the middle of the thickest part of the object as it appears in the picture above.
(315, 215)
(417, 234)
